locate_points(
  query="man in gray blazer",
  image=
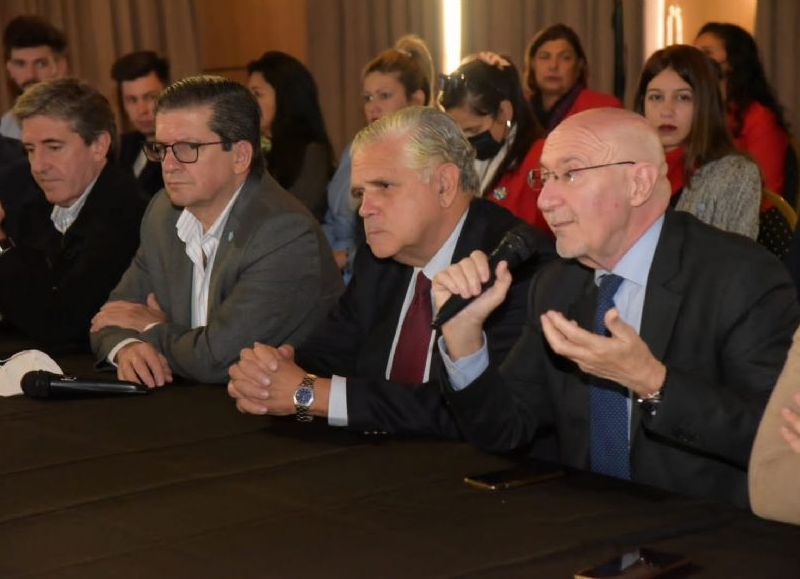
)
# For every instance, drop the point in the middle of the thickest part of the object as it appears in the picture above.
(227, 257)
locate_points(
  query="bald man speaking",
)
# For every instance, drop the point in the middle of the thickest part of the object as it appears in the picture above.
(652, 345)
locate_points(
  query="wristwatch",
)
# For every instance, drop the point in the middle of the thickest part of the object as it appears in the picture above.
(5, 245)
(304, 398)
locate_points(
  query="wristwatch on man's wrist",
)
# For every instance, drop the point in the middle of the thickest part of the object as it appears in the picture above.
(5, 245)
(304, 398)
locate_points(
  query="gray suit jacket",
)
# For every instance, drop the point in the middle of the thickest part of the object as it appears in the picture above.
(273, 279)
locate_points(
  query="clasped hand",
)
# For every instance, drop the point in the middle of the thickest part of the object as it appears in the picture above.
(623, 357)
(129, 315)
(264, 380)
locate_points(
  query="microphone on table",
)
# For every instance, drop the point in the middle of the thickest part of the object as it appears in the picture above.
(518, 245)
(43, 384)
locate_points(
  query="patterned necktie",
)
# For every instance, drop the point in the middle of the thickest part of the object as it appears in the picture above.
(411, 352)
(609, 402)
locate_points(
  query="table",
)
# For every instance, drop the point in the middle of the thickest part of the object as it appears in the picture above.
(179, 484)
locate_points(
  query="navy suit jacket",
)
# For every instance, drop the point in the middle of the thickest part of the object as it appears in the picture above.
(150, 179)
(356, 338)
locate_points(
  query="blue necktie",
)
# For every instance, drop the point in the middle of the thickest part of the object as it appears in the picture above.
(609, 402)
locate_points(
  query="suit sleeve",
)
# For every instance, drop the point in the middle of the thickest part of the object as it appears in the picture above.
(713, 403)
(278, 281)
(503, 409)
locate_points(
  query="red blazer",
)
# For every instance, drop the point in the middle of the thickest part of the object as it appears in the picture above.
(766, 142)
(515, 194)
(589, 99)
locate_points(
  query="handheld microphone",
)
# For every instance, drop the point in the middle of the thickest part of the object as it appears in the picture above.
(517, 246)
(42, 384)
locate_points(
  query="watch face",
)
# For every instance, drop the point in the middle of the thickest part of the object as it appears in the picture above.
(304, 396)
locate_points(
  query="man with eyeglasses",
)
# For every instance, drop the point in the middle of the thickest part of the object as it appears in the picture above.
(69, 219)
(653, 343)
(227, 257)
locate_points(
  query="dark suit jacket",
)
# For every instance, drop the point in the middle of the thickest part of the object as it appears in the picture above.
(272, 281)
(719, 312)
(150, 179)
(356, 338)
(51, 284)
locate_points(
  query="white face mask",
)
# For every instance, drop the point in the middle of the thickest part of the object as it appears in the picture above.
(21, 363)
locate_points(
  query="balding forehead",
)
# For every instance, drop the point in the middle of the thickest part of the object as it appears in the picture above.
(576, 141)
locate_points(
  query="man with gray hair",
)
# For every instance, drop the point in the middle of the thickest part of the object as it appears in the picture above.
(413, 175)
(72, 232)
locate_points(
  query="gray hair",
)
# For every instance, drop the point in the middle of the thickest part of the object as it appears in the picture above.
(70, 100)
(433, 139)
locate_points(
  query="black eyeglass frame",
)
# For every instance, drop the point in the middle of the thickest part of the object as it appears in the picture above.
(157, 155)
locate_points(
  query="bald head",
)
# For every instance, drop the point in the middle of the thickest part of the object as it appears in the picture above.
(618, 186)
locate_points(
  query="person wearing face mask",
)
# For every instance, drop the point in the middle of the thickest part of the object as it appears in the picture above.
(484, 97)
(679, 96)
(556, 72)
(396, 78)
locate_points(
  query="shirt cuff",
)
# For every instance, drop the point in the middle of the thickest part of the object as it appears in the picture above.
(465, 370)
(337, 402)
(113, 353)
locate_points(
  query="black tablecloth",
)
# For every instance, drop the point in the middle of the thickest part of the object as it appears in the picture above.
(179, 484)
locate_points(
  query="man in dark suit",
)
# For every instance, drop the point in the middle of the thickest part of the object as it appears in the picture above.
(667, 386)
(416, 189)
(76, 228)
(227, 256)
(140, 77)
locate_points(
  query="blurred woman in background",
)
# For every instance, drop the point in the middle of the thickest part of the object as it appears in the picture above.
(484, 96)
(294, 140)
(398, 77)
(556, 73)
(755, 116)
(679, 95)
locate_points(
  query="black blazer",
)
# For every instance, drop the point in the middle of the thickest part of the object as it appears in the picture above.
(719, 312)
(356, 338)
(51, 284)
(150, 179)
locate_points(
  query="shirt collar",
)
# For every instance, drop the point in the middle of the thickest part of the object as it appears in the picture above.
(444, 257)
(189, 227)
(64, 217)
(635, 264)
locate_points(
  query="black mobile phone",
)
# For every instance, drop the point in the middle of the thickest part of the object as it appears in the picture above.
(524, 474)
(635, 564)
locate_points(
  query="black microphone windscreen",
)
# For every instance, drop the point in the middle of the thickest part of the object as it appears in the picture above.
(36, 383)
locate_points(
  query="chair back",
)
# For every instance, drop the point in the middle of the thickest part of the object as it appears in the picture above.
(777, 224)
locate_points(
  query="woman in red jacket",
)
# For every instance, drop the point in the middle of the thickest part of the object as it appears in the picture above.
(755, 117)
(487, 102)
(555, 76)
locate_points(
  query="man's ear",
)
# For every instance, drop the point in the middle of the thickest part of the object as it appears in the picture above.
(242, 156)
(645, 176)
(446, 180)
(100, 146)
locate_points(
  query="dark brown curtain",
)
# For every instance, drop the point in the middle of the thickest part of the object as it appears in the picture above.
(507, 27)
(99, 31)
(778, 38)
(344, 35)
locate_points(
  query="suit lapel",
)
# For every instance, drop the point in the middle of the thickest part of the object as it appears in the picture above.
(658, 322)
(228, 249)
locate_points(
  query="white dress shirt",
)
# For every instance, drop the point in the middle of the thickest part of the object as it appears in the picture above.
(64, 217)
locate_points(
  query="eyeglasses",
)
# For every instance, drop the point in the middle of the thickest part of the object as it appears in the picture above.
(183, 151)
(538, 179)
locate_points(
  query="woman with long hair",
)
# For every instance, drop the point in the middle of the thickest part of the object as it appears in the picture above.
(397, 77)
(487, 102)
(755, 116)
(556, 75)
(294, 140)
(679, 96)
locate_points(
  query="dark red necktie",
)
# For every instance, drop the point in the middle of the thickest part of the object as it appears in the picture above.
(411, 352)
